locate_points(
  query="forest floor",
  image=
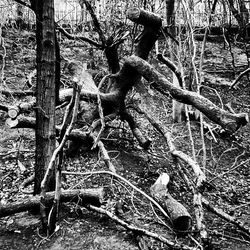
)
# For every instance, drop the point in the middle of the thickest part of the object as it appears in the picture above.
(227, 163)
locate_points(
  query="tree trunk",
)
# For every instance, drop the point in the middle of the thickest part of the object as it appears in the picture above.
(46, 94)
(19, 18)
(178, 108)
(241, 15)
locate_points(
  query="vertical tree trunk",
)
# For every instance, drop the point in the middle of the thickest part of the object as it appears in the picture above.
(178, 108)
(241, 15)
(57, 69)
(19, 18)
(83, 13)
(46, 94)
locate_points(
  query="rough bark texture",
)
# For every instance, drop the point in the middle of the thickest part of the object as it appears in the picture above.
(81, 196)
(230, 122)
(128, 76)
(45, 105)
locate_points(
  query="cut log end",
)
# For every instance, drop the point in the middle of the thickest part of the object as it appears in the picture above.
(182, 224)
(11, 123)
(13, 112)
(146, 144)
(246, 117)
(178, 214)
(144, 17)
(232, 124)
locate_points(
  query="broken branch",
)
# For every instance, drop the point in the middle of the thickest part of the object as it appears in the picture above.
(230, 122)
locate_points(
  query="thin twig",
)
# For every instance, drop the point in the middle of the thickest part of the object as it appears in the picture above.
(230, 170)
(124, 180)
(241, 225)
(23, 3)
(100, 110)
(239, 77)
(140, 231)
(79, 38)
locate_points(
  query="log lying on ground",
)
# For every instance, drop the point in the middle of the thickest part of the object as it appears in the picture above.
(21, 122)
(200, 176)
(30, 122)
(228, 121)
(19, 93)
(178, 214)
(80, 196)
(14, 111)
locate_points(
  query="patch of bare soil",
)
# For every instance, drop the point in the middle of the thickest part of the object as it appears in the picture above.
(227, 168)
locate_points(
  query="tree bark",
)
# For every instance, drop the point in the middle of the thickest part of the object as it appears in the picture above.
(80, 196)
(178, 214)
(230, 122)
(178, 109)
(127, 76)
(46, 94)
(241, 15)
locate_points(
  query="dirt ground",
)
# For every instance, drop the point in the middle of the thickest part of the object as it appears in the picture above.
(227, 164)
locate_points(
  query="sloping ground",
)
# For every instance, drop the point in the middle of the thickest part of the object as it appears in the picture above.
(227, 169)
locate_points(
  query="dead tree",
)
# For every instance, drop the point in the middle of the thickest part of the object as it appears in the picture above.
(113, 100)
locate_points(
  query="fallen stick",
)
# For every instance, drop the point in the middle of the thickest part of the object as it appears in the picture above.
(119, 177)
(140, 231)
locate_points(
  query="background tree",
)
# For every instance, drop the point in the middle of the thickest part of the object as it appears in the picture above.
(240, 12)
(178, 108)
(45, 89)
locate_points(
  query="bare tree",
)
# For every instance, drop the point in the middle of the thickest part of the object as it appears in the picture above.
(240, 12)
(178, 108)
(46, 91)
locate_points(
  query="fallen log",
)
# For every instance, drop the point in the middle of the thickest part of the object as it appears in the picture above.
(178, 214)
(230, 122)
(20, 93)
(21, 122)
(80, 196)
